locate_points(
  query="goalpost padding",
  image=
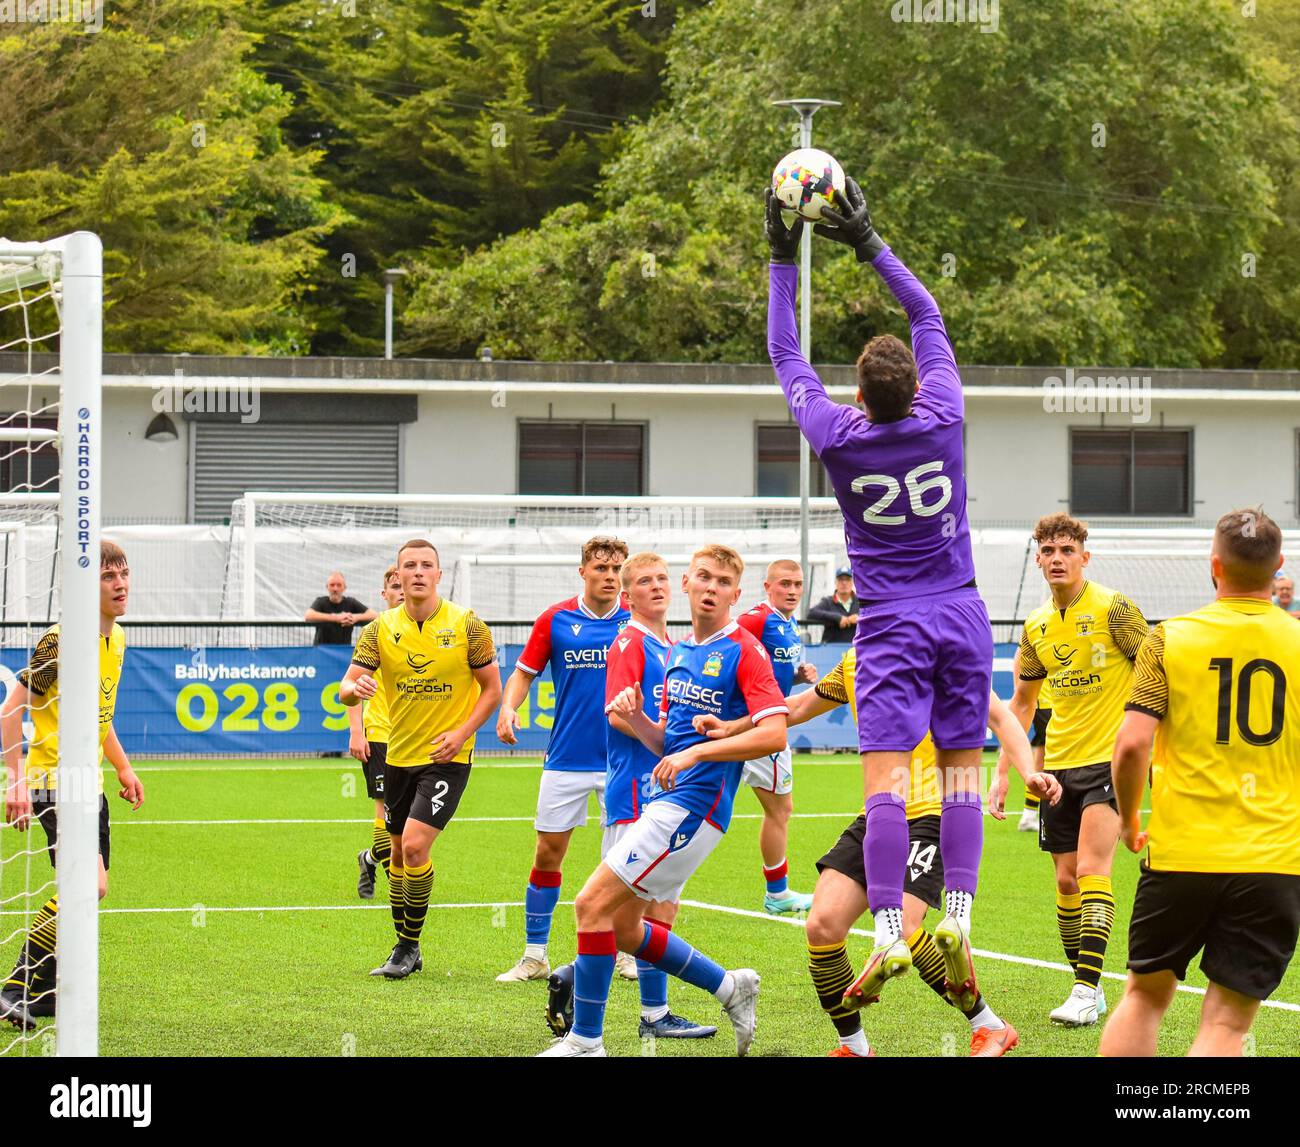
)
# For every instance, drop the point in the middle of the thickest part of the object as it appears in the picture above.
(63, 278)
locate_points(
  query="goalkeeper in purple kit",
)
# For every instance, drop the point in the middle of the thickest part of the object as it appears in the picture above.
(924, 644)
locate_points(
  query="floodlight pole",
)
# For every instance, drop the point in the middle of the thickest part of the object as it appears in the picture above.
(391, 275)
(805, 109)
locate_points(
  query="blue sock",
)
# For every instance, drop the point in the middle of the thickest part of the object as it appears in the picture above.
(540, 899)
(592, 972)
(777, 878)
(654, 986)
(675, 956)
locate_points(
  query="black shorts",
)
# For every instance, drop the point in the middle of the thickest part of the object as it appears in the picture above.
(45, 809)
(1038, 730)
(924, 877)
(1246, 923)
(427, 793)
(373, 769)
(1058, 825)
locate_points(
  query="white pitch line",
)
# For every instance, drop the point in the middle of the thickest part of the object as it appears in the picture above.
(458, 820)
(1003, 957)
(349, 763)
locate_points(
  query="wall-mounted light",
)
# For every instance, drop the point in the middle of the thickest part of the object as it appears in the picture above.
(161, 429)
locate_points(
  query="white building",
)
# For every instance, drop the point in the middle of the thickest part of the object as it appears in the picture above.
(1173, 444)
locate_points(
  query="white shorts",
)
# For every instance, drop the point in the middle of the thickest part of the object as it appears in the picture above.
(774, 773)
(658, 854)
(613, 834)
(562, 799)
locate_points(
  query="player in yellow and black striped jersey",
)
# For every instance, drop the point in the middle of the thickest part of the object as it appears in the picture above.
(437, 665)
(1218, 694)
(368, 743)
(31, 789)
(1082, 642)
(840, 897)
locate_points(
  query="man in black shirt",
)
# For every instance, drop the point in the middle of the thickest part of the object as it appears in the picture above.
(335, 614)
(838, 611)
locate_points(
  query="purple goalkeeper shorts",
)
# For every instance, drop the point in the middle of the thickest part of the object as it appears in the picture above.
(924, 664)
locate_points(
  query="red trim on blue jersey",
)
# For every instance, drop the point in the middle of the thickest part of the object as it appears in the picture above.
(537, 650)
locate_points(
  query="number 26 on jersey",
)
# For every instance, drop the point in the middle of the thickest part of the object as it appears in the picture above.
(918, 486)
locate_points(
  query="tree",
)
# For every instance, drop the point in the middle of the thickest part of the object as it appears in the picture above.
(157, 135)
(1078, 187)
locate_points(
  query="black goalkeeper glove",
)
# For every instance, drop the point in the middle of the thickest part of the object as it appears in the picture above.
(851, 225)
(783, 240)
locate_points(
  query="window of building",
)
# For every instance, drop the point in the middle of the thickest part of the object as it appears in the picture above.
(28, 467)
(1138, 473)
(582, 458)
(777, 469)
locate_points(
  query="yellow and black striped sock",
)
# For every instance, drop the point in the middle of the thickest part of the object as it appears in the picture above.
(419, 883)
(397, 896)
(381, 844)
(1096, 921)
(38, 951)
(831, 976)
(1068, 911)
(1032, 801)
(928, 962)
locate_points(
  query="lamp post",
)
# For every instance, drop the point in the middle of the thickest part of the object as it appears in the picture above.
(391, 275)
(805, 109)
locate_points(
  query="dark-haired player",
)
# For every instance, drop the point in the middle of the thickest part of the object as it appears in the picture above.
(31, 792)
(1218, 694)
(1083, 641)
(438, 668)
(924, 642)
(572, 637)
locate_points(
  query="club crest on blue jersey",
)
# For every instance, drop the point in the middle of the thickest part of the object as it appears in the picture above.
(713, 666)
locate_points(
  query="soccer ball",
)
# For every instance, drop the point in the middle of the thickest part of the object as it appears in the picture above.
(806, 180)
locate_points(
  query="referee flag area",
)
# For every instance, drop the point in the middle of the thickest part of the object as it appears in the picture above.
(233, 928)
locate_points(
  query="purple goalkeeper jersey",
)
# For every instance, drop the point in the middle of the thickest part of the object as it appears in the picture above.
(901, 485)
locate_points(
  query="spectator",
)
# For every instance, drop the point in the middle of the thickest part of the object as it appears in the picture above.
(1284, 596)
(838, 611)
(335, 614)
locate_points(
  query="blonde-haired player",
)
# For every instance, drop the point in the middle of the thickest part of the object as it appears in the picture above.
(368, 743)
(1216, 692)
(719, 670)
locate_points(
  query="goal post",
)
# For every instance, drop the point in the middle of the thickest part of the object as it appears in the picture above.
(507, 556)
(65, 276)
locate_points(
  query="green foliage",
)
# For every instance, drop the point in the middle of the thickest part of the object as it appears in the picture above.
(445, 126)
(156, 134)
(1080, 186)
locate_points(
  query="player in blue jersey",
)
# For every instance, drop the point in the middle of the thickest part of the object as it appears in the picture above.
(720, 670)
(572, 637)
(639, 657)
(924, 643)
(772, 777)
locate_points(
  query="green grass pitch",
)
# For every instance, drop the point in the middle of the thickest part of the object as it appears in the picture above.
(232, 927)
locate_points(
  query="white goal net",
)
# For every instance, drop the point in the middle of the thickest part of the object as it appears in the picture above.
(50, 362)
(509, 557)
